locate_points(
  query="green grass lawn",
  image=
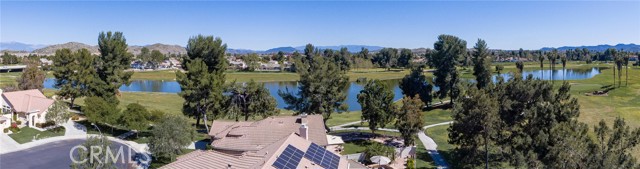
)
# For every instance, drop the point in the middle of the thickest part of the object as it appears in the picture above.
(622, 101)
(9, 78)
(342, 118)
(382, 133)
(27, 134)
(356, 146)
(436, 116)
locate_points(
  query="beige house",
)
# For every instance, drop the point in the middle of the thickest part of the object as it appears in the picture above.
(30, 106)
(279, 142)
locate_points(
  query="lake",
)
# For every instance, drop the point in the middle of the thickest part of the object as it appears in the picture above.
(353, 87)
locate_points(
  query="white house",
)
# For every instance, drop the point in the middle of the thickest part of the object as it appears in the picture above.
(30, 106)
(45, 61)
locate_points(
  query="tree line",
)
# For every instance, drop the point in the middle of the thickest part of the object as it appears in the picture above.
(530, 124)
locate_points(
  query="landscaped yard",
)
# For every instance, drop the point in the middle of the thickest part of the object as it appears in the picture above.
(356, 146)
(27, 134)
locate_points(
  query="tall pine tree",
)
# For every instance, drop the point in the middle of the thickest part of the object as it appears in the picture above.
(203, 84)
(481, 64)
(111, 65)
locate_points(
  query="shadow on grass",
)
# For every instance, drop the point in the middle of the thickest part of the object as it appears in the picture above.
(140, 137)
(425, 157)
(439, 106)
(363, 143)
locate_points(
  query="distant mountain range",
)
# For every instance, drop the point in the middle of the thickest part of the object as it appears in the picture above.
(48, 50)
(351, 48)
(17, 46)
(626, 47)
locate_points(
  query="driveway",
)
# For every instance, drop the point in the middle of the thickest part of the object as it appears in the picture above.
(7, 143)
(72, 128)
(52, 155)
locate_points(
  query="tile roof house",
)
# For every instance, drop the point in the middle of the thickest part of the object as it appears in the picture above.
(252, 136)
(265, 144)
(270, 157)
(30, 105)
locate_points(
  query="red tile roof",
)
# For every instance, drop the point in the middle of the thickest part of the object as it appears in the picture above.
(263, 158)
(28, 101)
(253, 136)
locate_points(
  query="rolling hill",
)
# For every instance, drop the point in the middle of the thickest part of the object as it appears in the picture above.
(626, 47)
(17, 46)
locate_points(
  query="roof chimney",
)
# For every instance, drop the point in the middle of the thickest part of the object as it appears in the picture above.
(302, 119)
(304, 131)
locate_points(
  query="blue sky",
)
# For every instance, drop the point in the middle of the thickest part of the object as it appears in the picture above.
(264, 25)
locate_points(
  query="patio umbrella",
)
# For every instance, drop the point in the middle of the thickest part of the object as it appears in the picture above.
(381, 160)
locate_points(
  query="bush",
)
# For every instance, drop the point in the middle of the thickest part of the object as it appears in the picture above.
(156, 115)
(57, 129)
(18, 122)
(6, 130)
(14, 125)
(411, 164)
(14, 129)
(45, 124)
(379, 149)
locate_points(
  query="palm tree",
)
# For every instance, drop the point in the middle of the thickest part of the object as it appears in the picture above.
(564, 64)
(626, 65)
(541, 59)
(552, 57)
(611, 52)
(619, 61)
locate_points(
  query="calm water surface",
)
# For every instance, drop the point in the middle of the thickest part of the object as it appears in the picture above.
(352, 90)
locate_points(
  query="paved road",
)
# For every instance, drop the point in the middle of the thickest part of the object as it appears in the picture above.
(51, 155)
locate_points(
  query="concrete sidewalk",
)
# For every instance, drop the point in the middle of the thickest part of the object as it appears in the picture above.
(432, 147)
(7, 144)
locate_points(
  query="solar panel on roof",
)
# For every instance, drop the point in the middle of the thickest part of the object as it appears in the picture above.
(289, 158)
(322, 157)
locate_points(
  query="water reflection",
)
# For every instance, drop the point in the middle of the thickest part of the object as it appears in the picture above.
(352, 89)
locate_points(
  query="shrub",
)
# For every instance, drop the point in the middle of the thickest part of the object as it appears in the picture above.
(14, 125)
(379, 149)
(411, 164)
(156, 115)
(18, 122)
(6, 130)
(15, 117)
(58, 129)
(14, 129)
(45, 124)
